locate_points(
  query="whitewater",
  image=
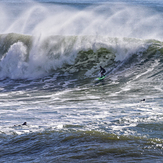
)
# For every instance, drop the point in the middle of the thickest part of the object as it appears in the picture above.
(50, 57)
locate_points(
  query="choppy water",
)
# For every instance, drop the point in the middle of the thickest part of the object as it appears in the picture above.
(50, 54)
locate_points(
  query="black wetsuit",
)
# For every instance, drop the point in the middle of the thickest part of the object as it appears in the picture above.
(102, 71)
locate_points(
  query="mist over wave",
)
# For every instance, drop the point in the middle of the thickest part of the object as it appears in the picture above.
(120, 20)
(37, 40)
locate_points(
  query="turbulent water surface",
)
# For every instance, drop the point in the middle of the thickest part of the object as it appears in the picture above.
(50, 57)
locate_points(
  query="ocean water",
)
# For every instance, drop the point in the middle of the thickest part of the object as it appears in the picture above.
(50, 57)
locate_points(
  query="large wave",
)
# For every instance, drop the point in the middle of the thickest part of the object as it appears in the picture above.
(24, 57)
(75, 39)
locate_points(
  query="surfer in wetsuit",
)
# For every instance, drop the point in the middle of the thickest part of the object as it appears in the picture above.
(102, 71)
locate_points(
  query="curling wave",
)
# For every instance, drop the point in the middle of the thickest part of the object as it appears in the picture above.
(23, 56)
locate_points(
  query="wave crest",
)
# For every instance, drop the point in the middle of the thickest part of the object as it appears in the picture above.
(27, 57)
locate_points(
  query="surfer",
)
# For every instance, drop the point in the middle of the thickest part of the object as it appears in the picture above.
(102, 71)
(25, 123)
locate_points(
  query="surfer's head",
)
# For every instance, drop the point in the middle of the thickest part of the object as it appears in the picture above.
(25, 123)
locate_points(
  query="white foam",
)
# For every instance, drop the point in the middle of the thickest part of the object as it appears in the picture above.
(13, 64)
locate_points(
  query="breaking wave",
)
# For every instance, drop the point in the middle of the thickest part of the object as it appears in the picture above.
(22, 56)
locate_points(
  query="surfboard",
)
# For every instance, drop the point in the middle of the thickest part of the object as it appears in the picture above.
(101, 78)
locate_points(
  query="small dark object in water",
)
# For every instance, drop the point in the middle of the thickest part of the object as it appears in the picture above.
(143, 100)
(25, 123)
